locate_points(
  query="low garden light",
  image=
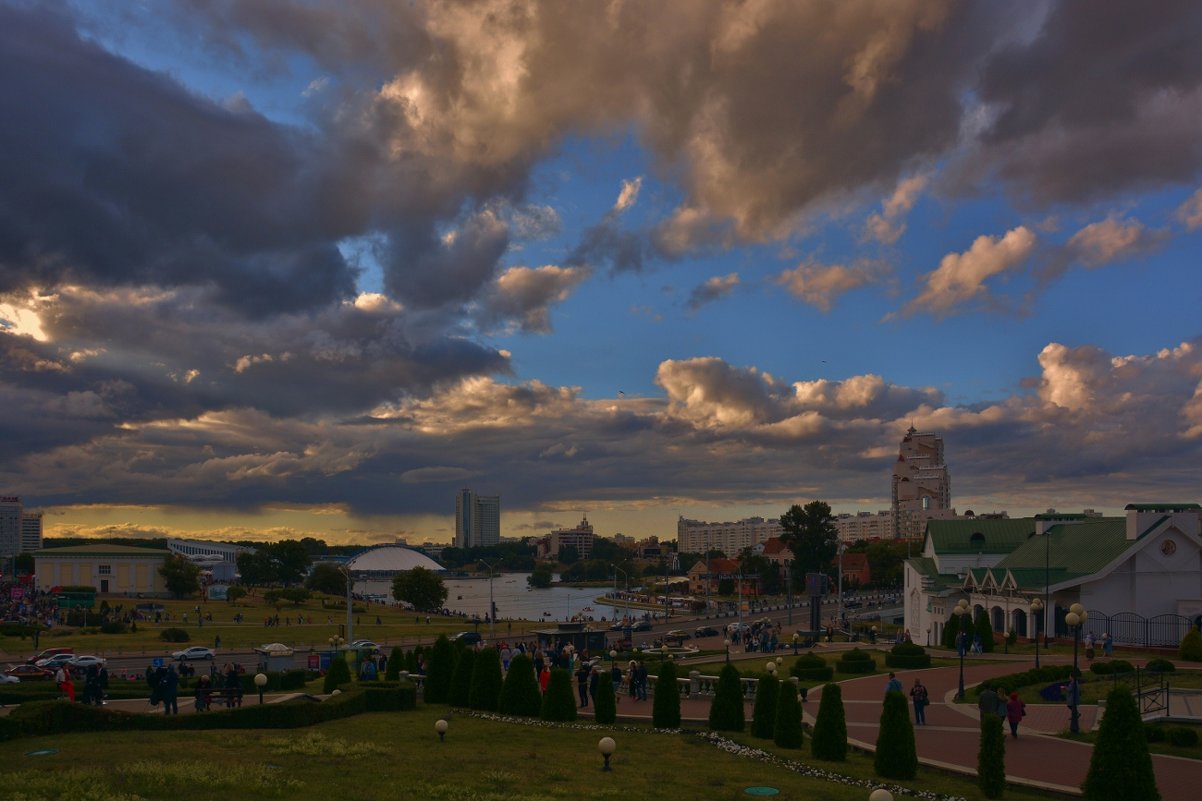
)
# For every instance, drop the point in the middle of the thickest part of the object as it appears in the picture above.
(440, 726)
(606, 746)
(726, 642)
(880, 794)
(260, 682)
(771, 666)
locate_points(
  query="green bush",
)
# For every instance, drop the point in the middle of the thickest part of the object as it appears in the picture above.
(812, 667)
(786, 730)
(461, 679)
(1154, 734)
(763, 715)
(439, 670)
(829, 741)
(558, 703)
(950, 631)
(1119, 666)
(175, 635)
(991, 757)
(1191, 646)
(1040, 676)
(856, 661)
(520, 694)
(113, 627)
(896, 755)
(605, 710)
(486, 681)
(21, 630)
(339, 673)
(908, 656)
(396, 663)
(984, 630)
(665, 709)
(1183, 737)
(1120, 768)
(1160, 666)
(726, 710)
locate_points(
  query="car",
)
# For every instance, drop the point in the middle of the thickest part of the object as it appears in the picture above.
(678, 634)
(29, 673)
(195, 652)
(467, 638)
(7, 679)
(84, 662)
(364, 645)
(642, 625)
(49, 652)
(706, 631)
(55, 662)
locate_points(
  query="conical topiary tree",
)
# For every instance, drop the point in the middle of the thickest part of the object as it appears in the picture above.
(461, 680)
(1120, 768)
(439, 668)
(984, 630)
(829, 740)
(486, 681)
(1191, 646)
(339, 673)
(520, 694)
(763, 715)
(605, 709)
(991, 757)
(396, 662)
(726, 710)
(665, 708)
(558, 703)
(950, 631)
(786, 731)
(413, 660)
(896, 754)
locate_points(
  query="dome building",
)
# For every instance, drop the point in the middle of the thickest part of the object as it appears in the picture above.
(388, 560)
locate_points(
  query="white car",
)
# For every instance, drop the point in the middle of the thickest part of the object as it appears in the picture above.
(364, 645)
(6, 679)
(195, 652)
(85, 662)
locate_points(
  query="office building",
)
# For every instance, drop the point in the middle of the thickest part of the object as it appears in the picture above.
(477, 519)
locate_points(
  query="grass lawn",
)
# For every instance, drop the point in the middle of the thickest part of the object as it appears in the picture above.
(397, 756)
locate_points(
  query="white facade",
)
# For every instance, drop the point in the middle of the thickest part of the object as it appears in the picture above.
(111, 569)
(227, 552)
(694, 536)
(477, 519)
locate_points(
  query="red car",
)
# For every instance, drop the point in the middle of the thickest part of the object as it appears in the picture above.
(29, 673)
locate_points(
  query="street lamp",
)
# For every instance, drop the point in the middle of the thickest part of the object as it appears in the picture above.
(346, 571)
(1036, 609)
(726, 642)
(607, 746)
(1075, 618)
(492, 607)
(613, 657)
(260, 682)
(626, 576)
(961, 611)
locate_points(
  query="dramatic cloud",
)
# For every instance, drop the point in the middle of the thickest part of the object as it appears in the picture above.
(820, 284)
(961, 277)
(715, 288)
(524, 295)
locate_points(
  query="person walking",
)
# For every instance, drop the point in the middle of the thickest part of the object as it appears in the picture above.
(582, 674)
(918, 693)
(170, 690)
(1016, 709)
(894, 685)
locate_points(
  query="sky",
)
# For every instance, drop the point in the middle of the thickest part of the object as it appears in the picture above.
(276, 268)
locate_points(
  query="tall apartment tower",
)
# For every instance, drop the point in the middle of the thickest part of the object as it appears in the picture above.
(921, 485)
(477, 519)
(31, 531)
(10, 527)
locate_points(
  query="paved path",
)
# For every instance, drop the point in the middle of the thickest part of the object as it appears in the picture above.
(950, 738)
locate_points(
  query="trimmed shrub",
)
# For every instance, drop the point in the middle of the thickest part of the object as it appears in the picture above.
(1120, 767)
(1014, 681)
(829, 741)
(991, 757)
(1183, 737)
(1113, 666)
(896, 754)
(726, 710)
(396, 661)
(908, 656)
(174, 635)
(486, 681)
(113, 627)
(786, 731)
(763, 716)
(559, 704)
(520, 694)
(339, 673)
(605, 710)
(461, 679)
(1155, 734)
(1160, 666)
(812, 667)
(856, 661)
(665, 709)
(1191, 646)
(951, 630)
(984, 630)
(439, 669)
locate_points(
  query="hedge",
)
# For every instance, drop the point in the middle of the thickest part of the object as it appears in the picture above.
(856, 661)
(1111, 667)
(908, 656)
(1013, 681)
(175, 635)
(812, 667)
(1160, 666)
(25, 692)
(1183, 737)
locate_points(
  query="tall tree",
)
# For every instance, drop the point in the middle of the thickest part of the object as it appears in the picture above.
(327, 578)
(421, 587)
(1120, 767)
(181, 576)
(809, 532)
(439, 670)
(256, 567)
(291, 561)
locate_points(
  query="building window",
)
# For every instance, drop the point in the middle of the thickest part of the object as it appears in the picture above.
(106, 570)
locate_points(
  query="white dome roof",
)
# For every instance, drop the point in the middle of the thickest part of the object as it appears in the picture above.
(392, 558)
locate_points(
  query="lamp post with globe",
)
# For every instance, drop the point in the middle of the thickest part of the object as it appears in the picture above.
(961, 612)
(1036, 614)
(1075, 618)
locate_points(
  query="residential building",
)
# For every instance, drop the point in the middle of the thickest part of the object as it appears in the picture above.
(921, 485)
(856, 569)
(111, 569)
(10, 527)
(477, 519)
(1137, 576)
(705, 577)
(865, 526)
(694, 536)
(774, 551)
(580, 538)
(31, 531)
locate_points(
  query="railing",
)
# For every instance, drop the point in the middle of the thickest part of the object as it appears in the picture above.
(1129, 628)
(699, 686)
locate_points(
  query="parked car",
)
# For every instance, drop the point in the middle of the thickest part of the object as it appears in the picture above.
(29, 673)
(54, 662)
(49, 652)
(84, 662)
(365, 645)
(706, 631)
(642, 625)
(195, 652)
(467, 638)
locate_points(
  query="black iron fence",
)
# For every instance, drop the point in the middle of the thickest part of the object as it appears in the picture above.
(1132, 629)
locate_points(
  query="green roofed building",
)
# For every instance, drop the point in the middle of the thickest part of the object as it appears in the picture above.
(1138, 576)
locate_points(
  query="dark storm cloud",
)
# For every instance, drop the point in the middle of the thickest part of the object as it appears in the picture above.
(429, 271)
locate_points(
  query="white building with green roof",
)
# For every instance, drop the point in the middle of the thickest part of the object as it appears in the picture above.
(1138, 576)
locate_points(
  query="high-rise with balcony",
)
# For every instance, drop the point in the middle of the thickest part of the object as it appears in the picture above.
(922, 488)
(477, 519)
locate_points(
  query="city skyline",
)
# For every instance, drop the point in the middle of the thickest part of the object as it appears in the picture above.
(308, 269)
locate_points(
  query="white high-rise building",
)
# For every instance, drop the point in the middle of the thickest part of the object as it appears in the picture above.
(477, 519)
(694, 536)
